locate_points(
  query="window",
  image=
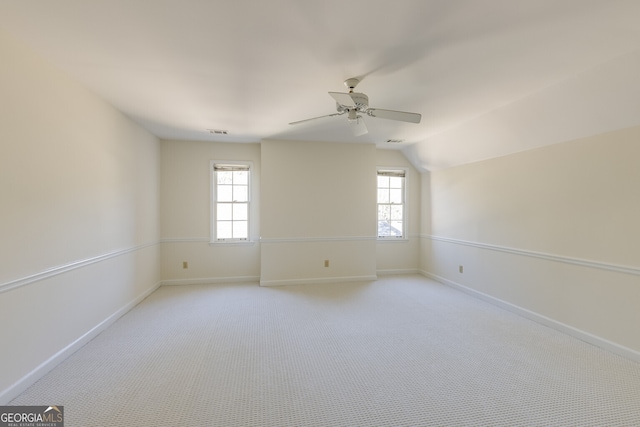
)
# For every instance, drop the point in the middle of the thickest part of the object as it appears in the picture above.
(230, 201)
(391, 193)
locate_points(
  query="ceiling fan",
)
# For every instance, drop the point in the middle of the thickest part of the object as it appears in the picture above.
(354, 104)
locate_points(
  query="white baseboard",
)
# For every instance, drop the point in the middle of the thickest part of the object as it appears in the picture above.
(25, 382)
(318, 280)
(539, 318)
(397, 271)
(210, 280)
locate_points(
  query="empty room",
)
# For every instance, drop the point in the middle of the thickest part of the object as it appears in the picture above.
(305, 213)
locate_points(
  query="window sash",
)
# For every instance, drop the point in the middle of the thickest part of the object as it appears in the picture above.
(391, 215)
(230, 216)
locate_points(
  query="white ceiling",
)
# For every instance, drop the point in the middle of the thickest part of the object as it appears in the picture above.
(490, 77)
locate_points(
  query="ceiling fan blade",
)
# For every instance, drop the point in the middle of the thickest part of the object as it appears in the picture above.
(358, 127)
(315, 118)
(343, 99)
(395, 115)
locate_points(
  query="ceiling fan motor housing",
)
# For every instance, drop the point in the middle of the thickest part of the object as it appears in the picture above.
(360, 100)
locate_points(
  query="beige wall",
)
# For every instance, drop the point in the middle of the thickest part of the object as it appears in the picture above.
(318, 204)
(185, 210)
(306, 213)
(79, 217)
(553, 231)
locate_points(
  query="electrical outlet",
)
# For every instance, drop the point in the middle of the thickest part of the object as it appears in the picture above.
(461, 269)
(185, 264)
(326, 263)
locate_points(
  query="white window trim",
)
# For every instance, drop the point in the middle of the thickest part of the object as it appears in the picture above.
(212, 205)
(405, 209)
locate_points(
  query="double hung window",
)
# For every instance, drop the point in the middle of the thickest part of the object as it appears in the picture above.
(391, 203)
(231, 197)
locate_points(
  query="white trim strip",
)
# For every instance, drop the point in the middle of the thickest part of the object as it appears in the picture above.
(207, 240)
(282, 239)
(185, 239)
(317, 239)
(318, 280)
(541, 255)
(539, 318)
(210, 280)
(397, 271)
(54, 271)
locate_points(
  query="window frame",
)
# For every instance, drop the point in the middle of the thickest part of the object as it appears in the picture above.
(214, 200)
(405, 172)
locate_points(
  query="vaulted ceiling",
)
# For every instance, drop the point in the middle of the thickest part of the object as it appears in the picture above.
(490, 77)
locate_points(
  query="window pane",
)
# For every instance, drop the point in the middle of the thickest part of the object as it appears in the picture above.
(396, 228)
(384, 212)
(396, 212)
(240, 193)
(240, 229)
(383, 228)
(395, 195)
(224, 177)
(383, 195)
(241, 177)
(383, 181)
(223, 212)
(225, 193)
(224, 230)
(240, 212)
(395, 182)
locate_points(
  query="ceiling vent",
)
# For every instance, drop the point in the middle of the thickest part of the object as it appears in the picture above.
(218, 131)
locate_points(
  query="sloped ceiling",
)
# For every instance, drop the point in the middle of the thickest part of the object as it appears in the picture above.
(489, 77)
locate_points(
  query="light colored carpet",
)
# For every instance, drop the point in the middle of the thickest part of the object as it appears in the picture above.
(401, 351)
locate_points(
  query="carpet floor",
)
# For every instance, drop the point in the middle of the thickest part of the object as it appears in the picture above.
(400, 351)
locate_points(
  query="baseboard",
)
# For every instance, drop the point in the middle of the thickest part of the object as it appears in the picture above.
(397, 271)
(210, 280)
(318, 280)
(544, 320)
(25, 382)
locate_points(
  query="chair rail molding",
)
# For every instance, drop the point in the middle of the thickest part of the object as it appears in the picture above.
(60, 269)
(541, 255)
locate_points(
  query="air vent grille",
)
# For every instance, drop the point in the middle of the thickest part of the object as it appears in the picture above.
(218, 131)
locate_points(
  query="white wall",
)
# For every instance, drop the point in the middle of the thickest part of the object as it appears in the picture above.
(318, 204)
(185, 215)
(79, 219)
(402, 256)
(552, 231)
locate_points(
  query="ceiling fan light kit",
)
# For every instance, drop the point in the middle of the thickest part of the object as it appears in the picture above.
(353, 103)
